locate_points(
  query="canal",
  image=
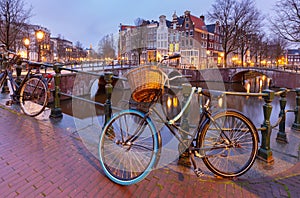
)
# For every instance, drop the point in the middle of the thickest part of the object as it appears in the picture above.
(89, 117)
(252, 107)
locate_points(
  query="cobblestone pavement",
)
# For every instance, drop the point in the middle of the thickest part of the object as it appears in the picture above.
(47, 158)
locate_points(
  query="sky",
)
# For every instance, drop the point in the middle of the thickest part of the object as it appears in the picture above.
(87, 21)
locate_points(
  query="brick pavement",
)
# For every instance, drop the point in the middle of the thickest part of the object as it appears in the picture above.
(46, 158)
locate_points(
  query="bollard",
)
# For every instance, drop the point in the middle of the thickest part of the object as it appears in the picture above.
(56, 110)
(108, 90)
(265, 152)
(184, 158)
(281, 135)
(296, 124)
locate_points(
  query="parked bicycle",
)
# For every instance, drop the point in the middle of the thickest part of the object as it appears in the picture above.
(130, 145)
(31, 91)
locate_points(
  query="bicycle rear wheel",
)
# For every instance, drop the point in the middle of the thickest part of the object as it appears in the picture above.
(229, 143)
(128, 148)
(33, 96)
(3, 76)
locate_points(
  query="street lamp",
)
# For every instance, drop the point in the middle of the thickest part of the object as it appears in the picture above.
(26, 42)
(40, 36)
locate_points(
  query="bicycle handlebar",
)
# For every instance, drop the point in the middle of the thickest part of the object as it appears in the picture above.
(17, 59)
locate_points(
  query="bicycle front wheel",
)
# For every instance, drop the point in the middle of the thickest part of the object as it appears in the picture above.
(33, 96)
(229, 143)
(128, 148)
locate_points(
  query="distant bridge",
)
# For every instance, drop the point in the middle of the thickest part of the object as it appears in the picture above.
(280, 77)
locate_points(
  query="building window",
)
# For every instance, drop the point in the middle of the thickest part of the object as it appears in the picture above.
(186, 25)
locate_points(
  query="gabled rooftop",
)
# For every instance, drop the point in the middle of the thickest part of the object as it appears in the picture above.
(198, 23)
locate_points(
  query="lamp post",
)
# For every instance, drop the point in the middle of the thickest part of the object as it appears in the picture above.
(207, 54)
(222, 59)
(40, 36)
(26, 42)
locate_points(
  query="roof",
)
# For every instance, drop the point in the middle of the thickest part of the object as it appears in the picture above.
(198, 23)
(293, 51)
(211, 28)
(125, 27)
(169, 23)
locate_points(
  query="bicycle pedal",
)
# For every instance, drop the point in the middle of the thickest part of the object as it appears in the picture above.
(198, 172)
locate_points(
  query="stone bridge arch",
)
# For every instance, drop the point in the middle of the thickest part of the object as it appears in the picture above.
(278, 77)
(243, 74)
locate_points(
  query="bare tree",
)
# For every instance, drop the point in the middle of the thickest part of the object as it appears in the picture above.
(286, 21)
(257, 47)
(78, 44)
(107, 47)
(13, 20)
(276, 49)
(139, 40)
(238, 20)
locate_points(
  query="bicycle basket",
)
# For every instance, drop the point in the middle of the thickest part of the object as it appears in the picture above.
(146, 83)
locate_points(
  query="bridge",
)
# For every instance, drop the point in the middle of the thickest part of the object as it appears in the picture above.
(279, 77)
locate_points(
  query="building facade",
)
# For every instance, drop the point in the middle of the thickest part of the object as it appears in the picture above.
(186, 35)
(36, 44)
(293, 57)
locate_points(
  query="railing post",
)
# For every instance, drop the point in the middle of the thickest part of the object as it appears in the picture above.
(265, 152)
(184, 158)
(5, 88)
(18, 72)
(296, 124)
(281, 135)
(56, 110)
(108, 90)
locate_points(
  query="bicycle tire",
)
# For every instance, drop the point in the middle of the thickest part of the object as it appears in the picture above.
(128, 163)
(3, 76)
(231, 161)
(34, 96)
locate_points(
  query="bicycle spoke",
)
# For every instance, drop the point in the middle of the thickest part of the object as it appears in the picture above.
(128, 155)
(33, 96)
(230, 144)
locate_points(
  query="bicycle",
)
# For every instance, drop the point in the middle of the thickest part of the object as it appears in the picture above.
(130, 145)
(32, 91)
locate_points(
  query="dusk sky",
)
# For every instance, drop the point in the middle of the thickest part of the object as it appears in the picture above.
(88, 21)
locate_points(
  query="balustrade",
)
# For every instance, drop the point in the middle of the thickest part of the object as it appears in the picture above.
(264, 153)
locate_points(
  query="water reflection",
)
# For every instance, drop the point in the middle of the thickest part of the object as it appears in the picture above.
(252, 107)
(257, 84)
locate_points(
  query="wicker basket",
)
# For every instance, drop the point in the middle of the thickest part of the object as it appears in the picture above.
(146, 83)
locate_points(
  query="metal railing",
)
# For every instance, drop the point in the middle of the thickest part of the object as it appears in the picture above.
(264, 152)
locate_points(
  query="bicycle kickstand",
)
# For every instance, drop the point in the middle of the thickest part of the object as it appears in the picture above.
(197, 171)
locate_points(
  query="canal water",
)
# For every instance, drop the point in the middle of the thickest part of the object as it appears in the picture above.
(89, 119)
(252, 107)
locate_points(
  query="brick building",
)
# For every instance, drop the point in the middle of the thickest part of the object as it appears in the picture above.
(198, 44)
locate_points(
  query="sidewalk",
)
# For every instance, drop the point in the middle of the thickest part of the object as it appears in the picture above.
(48, 158)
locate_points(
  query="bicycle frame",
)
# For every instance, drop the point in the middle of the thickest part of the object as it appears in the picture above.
(205, 119)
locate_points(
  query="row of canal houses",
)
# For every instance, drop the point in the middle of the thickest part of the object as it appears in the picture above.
(199, 45)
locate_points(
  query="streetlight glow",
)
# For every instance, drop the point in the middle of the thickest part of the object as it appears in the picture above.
(26, 41)
(40, 35)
